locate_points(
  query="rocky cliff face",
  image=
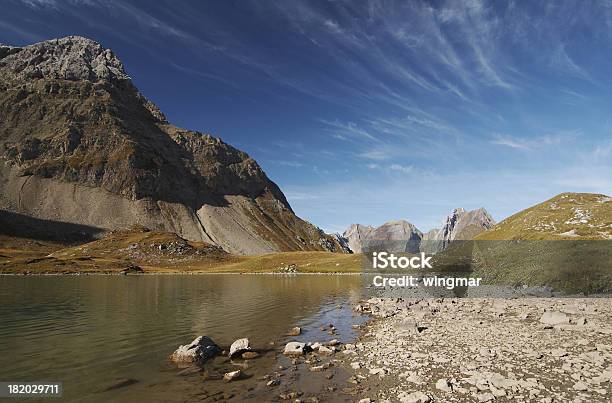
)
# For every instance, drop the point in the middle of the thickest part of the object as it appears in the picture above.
(393, 236)
(79, 144)
(402, 236)
(356, 235)
(458, 225)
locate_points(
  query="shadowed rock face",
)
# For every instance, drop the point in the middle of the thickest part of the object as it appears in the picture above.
(80, 144)
(459, 225)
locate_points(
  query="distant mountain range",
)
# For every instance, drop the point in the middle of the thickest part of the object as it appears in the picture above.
(402, 236)
(563, 243)
(80, 145)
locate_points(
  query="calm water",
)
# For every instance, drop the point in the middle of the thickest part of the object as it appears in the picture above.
(89, 331)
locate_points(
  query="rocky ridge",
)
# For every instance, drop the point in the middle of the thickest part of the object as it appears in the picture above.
(398, 236)
(458, 225)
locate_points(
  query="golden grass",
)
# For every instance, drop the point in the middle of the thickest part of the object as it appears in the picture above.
(119, 249)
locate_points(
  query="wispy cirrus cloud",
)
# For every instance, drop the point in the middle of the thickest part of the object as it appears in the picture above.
(532, 143)
(374, 92)
(344, 130)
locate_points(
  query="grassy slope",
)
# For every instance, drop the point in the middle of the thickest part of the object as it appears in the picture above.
(159, 252)
(566, 216)
(565, 243)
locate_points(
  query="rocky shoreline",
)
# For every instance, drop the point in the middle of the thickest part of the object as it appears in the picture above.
(480, 350)
(461, 350)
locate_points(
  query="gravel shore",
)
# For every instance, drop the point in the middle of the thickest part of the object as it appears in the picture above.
(480, 350)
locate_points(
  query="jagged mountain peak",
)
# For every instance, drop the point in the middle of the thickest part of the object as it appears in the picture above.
(69, 58)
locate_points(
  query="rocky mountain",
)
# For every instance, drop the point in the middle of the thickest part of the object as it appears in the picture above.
(79, 144)
(566, 216)
(458, 225)
(356, 235)
(394, 236)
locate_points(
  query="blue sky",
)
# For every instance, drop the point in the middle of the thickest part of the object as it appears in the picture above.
(368, 111)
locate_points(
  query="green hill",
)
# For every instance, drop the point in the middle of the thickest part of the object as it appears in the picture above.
(565, 216)
(564, 243)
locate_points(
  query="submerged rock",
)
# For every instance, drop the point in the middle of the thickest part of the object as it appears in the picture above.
(198, 351)
(296, 331)
(249, 355)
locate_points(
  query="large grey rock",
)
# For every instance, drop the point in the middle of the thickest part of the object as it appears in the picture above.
(295, 348)
(202, 348)
(239, 346)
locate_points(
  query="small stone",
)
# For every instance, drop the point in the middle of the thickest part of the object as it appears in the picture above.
(377, 371)
(231, 376)
(558, 353)
(326, 351)
(273, 382)
(249, 355)
(581, 321)
(414, 397)
(408, 325)
(444, 385)
(581, 386)
(485, 397)
(288, 395)
(554, 318)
